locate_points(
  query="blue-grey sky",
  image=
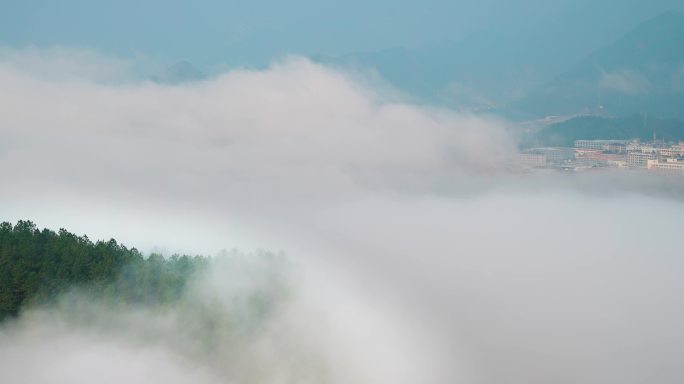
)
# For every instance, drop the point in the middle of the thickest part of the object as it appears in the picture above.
(208, 32)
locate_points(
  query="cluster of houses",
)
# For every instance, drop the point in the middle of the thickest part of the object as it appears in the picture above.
(592, 154)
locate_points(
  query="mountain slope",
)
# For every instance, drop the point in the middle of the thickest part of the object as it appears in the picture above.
(606, 128)
(480, 71)
(641, 72)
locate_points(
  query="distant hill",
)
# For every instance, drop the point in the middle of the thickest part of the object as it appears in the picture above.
(179, 72)
(598, 128)
(478, 72)
(641, 72)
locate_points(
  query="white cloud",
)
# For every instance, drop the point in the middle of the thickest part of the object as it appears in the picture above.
(678, 80)
(297, 131)
(423, 260)
(625, 81)
(69, 64)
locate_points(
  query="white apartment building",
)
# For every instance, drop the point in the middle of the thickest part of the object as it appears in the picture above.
(637, 159)
(667, 165)
(602, 145)
(531, 160)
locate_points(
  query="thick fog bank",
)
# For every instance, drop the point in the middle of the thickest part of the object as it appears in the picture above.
(415, 254)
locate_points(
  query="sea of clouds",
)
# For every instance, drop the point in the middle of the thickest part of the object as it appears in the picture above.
(415, 254)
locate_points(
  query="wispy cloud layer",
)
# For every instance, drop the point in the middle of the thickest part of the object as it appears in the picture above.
(625, 81)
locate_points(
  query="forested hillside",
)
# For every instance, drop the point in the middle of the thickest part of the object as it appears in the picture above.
(36, 265)
(607, 128)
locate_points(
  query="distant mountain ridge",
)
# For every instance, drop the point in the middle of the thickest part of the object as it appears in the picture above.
(180, 72)
(518, 77)
(466, 73)
(641, 72)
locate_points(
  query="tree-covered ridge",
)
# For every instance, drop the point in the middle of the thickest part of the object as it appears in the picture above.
(607, 128)
(37, 265)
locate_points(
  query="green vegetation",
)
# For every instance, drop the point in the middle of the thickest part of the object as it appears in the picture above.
(38, 265)
(597, 128)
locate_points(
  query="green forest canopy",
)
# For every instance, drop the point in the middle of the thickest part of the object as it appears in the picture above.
(37, 265)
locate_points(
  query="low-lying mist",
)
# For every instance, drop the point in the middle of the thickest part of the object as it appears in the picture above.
(413, 254)
(245, 318)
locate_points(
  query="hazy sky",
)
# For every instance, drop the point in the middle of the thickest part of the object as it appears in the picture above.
(208, 32)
